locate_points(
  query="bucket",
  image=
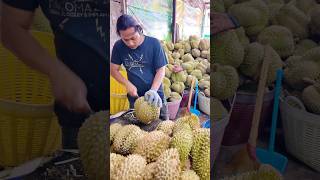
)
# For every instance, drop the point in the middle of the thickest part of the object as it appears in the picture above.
(185, 98)
(173, 108)
(238, 130)
(218, 132)
(204, 103)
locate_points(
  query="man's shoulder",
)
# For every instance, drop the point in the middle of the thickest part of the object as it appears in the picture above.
(153, 39)
(118, 44)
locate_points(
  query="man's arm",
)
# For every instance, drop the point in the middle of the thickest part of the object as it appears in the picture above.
(16, 37)
(157, 81)
(68, 88)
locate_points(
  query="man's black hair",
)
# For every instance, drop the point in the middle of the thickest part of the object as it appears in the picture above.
(126, 21)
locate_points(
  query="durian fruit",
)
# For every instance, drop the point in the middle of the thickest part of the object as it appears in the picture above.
(200, 153)
(294, 19)
(206, 77)
(203, 84)
(179, 127)
(312, 55)
(189, 175)
(218, 111)
(152, 145)
(126, 139)
(205, 54)
(295, 74)
(315, 21)
(187, 57)
(279, 38)
(203, 69)
(192, 120)
(170, 46)
(218, 6)
(311, 98)
(166, 81)
(179, 76)
(303, 46)
(167, 91)
(166, 127)
(254, 57)
(229, 3)
(292, 60)
(93, 145)
(168, 165)
(196, 73)
(253, 15)
(174, 96)
(207, 92)
(114, 128)
(181, 52)
(177, 46)
(305, 5)
(168, 72)
(242, 36)
(116, 161)
(186, 47)
(274, 1)
(176, 55)
(145, 112)
(225, 80)
(195, 53)
(194, 41)
(178, 87)
(188, 66)
(132, 168)
(204, 44)
(189, 80)
(182, 140)
(149, 172)
(274, 8)
(227, 49)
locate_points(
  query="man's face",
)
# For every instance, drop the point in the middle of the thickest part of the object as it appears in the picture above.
(130, 37)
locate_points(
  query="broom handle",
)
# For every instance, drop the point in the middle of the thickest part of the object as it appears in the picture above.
(190, 95)
(259, 100)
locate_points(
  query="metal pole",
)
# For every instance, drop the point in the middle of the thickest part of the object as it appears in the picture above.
(174, 21)
(124, 6)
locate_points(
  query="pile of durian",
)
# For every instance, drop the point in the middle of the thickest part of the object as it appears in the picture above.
(177, 150)
(187, 60)
(285, 32)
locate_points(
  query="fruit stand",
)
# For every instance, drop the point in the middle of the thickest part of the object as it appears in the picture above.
(286, 34)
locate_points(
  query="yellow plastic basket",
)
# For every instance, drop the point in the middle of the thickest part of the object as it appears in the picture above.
(118, 95)
(40, 22)
(28, 125)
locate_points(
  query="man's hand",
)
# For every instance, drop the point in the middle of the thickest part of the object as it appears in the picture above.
(153, 98)
(131, 89)
(69, 89)
(220, 22)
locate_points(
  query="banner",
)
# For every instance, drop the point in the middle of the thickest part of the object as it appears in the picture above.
(155, 16)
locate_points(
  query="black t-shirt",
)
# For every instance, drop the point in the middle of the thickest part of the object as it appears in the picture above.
(81, 31)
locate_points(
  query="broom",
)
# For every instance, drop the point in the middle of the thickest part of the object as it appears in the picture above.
(246, 160)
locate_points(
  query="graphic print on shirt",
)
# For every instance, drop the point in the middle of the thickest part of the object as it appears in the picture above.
(134, 63)
(70, 9)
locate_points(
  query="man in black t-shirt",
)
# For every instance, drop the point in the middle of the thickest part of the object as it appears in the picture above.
(80, 76)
